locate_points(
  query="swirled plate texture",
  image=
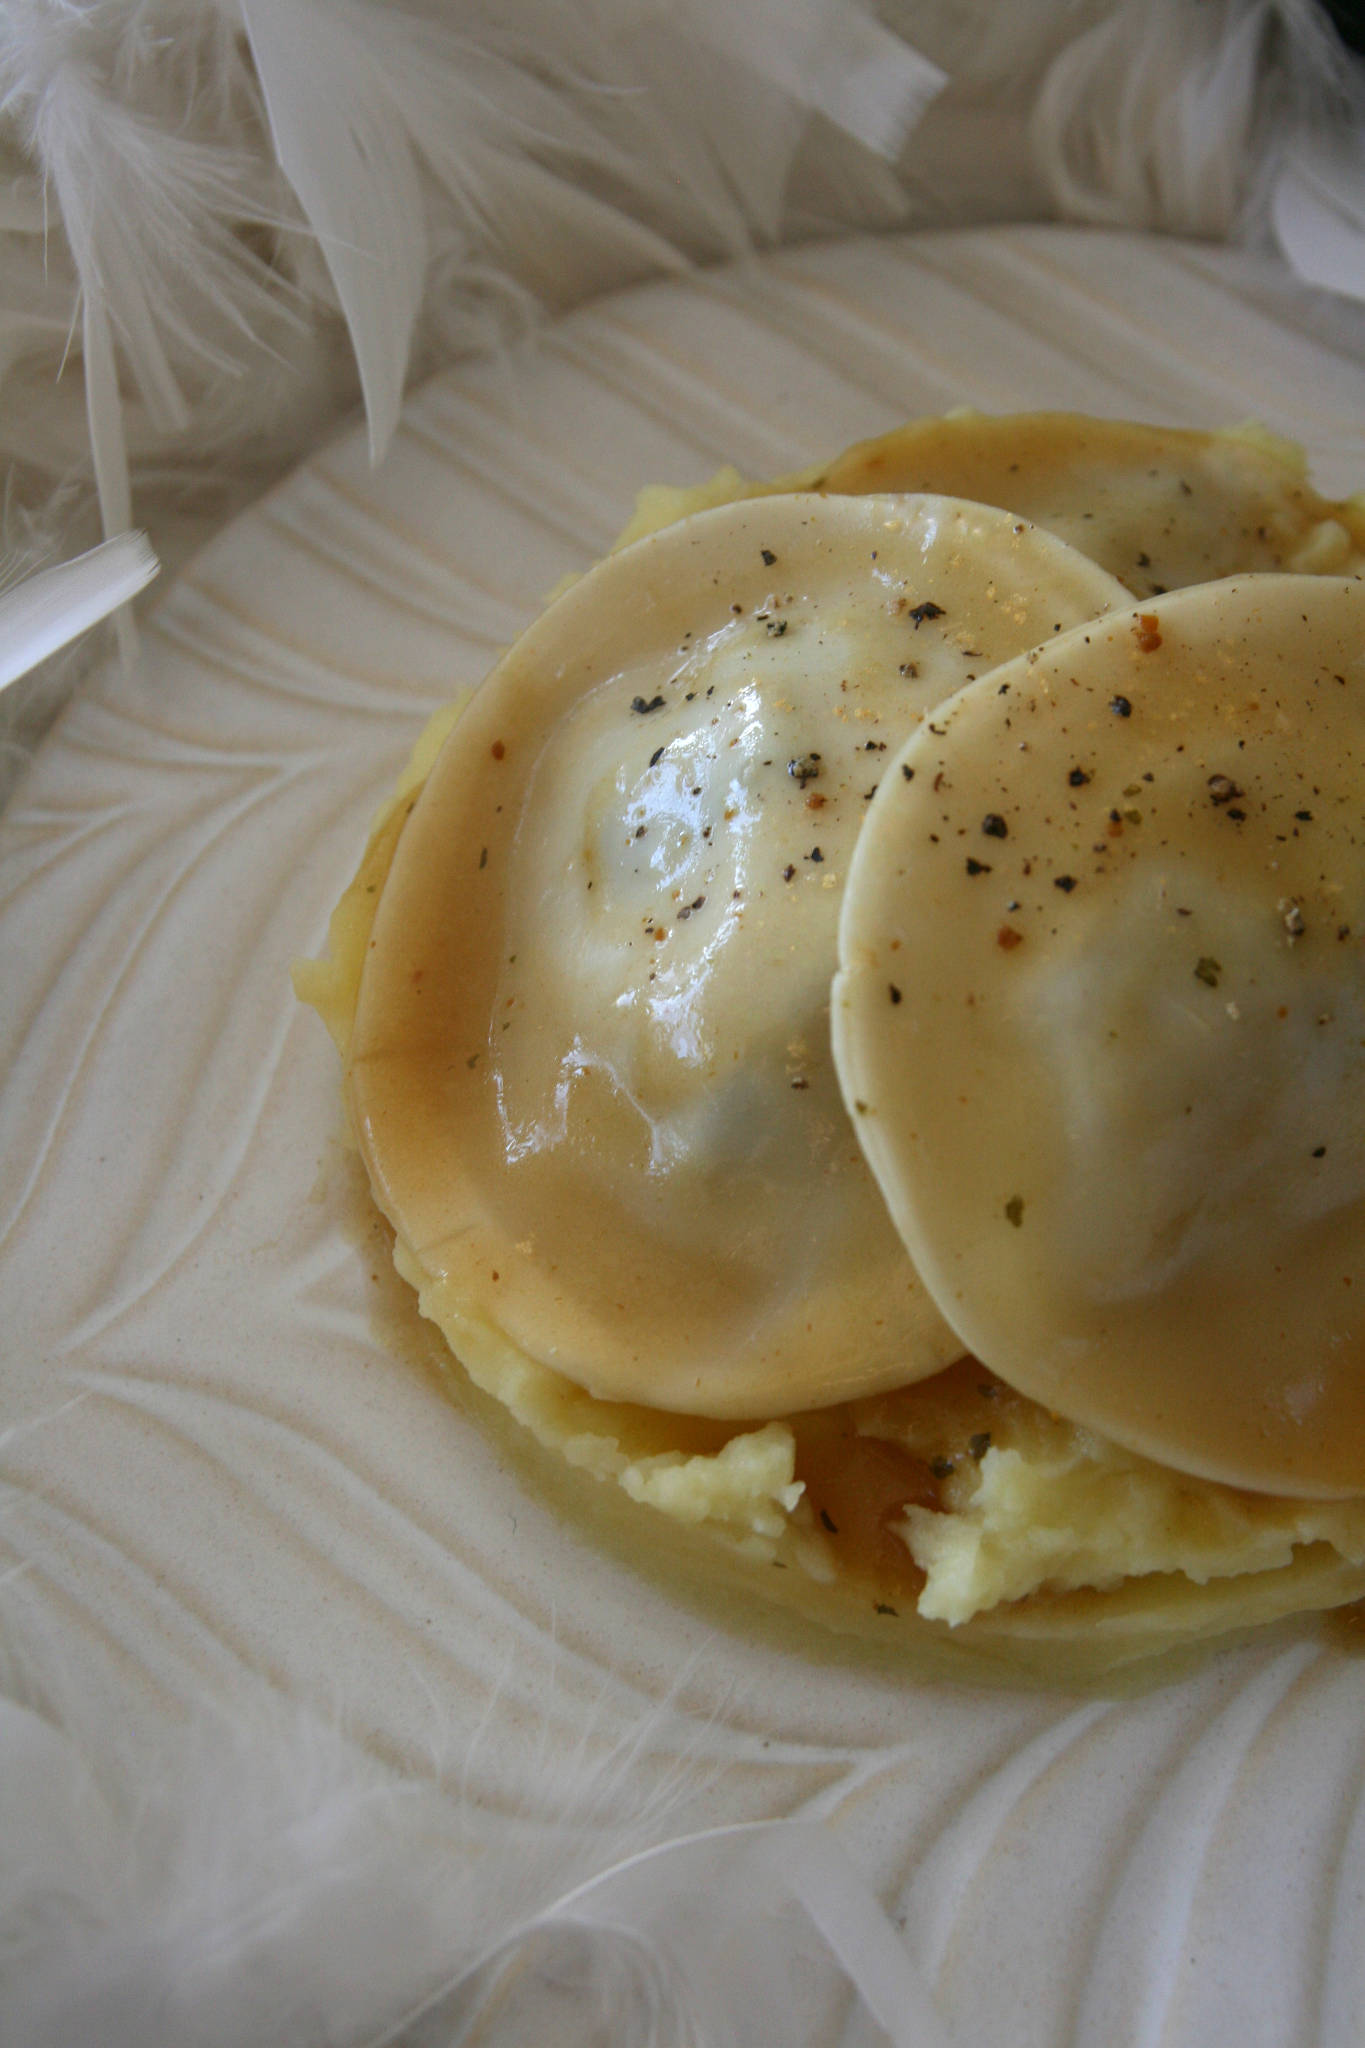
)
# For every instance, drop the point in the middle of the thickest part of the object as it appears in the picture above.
(228, 1453)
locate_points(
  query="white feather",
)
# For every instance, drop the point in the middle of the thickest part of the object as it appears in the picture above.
(444, 162)
(1167, 115)
(108, 449)
(263, 1880)
(689, 1941)
(1144, 121)
(45, 612)
(152, 217)
(1318, 209)
(213, 199)
(342, 142)
(838, 59)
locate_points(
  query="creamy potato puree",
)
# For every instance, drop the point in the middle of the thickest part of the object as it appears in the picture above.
(956, 1495)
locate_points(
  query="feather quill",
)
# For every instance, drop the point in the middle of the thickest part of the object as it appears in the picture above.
(46, 611)
(108, 448)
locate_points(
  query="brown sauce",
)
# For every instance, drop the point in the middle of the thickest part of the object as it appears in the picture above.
(858, 1488)
(1345, 1628)
(865, 1462)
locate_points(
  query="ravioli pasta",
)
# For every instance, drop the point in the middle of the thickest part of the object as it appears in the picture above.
(1119, 1110)
(590, 1065)
(582, 991)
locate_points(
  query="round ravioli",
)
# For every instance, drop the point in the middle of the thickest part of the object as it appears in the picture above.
(1160, 507)
(1100, 1021)
(590, 1064)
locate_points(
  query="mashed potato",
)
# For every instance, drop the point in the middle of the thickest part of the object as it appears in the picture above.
(900, 1485)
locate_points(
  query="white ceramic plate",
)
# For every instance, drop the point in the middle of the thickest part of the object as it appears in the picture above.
(226, 1455)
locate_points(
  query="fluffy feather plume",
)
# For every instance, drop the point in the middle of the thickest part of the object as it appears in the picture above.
(269, 1882)
(1151, 130)
(223, 175)
(224, 206)
(1166, 115)
(222, 220)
